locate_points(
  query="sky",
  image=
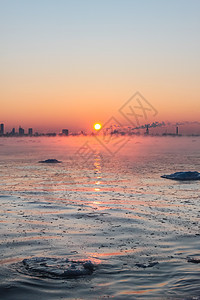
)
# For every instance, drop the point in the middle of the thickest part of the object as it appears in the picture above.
(69, 64)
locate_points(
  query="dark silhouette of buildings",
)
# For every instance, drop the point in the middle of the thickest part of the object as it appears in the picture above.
(21, 131)
(30, 131)
(176, 130)
(2, 129)
(65, 132)
(13, 131)
(147, 129)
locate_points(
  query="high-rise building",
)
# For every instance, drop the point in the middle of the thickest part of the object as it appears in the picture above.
(147, 129)
(21, 131)
(65, 132)
(30, 131)
(13, 131)
(176, 130)
(2, 128)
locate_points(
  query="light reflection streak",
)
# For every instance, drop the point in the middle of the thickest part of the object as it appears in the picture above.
(118, 253)
(98, 182)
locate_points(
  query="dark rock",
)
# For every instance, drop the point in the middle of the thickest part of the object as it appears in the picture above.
(50, 161)
(183, 176)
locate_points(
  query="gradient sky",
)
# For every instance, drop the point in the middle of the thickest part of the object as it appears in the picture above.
(68, 64)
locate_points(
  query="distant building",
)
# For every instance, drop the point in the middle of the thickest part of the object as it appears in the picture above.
(65, 132)
(13, 131)
(176, 130)
(21, 131)
(30, 131)
(2, 128)
(147, 129)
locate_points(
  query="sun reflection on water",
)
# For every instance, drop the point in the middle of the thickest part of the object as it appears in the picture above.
(97, 171)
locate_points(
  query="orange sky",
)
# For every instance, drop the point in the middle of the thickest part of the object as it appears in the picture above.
(69, 68)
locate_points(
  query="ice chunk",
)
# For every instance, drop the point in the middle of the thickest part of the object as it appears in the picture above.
(147, 265)
(194, 260)
(57, 268)
(50, 161)
(183, 176)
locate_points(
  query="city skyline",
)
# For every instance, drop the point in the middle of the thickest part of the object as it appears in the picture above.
(154, 128)
(27, 132)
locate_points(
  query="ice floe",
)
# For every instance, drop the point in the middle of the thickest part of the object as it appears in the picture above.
(194, 260)
(50, 161)
(183, 176)
(57, 268)
(147, 265)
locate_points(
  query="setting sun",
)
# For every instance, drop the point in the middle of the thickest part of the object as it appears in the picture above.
(97, 126)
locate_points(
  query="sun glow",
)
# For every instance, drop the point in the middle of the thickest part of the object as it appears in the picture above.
(97, 126)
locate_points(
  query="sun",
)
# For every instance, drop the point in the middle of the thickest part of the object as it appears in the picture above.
(97, 126)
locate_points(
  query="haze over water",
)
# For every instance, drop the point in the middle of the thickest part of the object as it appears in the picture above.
(136, 228)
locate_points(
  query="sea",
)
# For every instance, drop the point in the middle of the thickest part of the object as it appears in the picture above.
(102, 223)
